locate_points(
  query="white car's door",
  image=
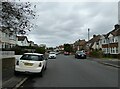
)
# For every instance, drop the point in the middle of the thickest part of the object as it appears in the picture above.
(44, 61)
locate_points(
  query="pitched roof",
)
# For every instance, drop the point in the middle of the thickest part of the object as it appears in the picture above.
(94, 39)
(115, 32)
(22, 38)
(80, 42)
(31, 42)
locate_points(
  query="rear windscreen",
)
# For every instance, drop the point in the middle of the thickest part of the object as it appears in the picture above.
(32, 57)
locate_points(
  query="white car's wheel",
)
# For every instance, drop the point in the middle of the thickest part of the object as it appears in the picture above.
(16, 73)
(41, 74)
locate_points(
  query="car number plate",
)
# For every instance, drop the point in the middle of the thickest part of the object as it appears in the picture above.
(28, 64)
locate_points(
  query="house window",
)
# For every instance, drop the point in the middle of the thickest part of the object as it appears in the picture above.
(113, 51)
(116, 40)
(97, 43)
(108, 50)
(116, 50)
(104, 41)
(3, 34)
(113, 40)
(6, 35)
(3, 45)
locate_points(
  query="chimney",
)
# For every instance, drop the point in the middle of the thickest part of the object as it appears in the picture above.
(94, 36)
(116, 26)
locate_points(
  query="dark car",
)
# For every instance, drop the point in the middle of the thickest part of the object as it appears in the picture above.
(80, 54)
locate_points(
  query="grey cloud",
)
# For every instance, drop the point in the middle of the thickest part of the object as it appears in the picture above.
(59, 23)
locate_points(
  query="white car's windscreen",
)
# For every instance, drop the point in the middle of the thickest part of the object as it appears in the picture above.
(32, 57)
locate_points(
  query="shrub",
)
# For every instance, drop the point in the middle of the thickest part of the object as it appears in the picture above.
(40, 50)
(96, 53)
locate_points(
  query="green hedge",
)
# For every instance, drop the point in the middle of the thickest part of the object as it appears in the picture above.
(40, 50)
(19, 50)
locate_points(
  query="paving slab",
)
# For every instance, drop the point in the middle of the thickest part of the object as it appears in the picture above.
(110, 62)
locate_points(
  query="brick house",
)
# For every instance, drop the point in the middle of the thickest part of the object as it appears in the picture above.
(79, 45)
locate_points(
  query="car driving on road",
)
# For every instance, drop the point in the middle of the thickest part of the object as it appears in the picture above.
(52, 55)
(66, 53)
(80, 54)
(31, 63)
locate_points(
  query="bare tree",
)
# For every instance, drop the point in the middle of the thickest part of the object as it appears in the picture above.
(15, 16)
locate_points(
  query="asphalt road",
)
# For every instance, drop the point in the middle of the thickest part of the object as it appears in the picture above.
(66, 71)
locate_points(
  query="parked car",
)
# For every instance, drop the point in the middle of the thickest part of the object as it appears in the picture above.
(80, 54)
(66, 53)
(57, 53)
(52, 55)
(31, 63)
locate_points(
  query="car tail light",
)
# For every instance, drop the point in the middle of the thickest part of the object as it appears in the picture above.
(17, 63)
(40, 64)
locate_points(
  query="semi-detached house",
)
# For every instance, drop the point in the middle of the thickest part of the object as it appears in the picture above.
(111, 41)
(79, 45)
(7, 38)
(22, 41)
(94, 43)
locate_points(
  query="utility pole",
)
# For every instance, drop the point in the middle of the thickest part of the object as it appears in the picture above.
(88, 40)
(88, 34)
(119, 12)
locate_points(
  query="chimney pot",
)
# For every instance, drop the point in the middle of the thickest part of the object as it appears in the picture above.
(117, 26)
(94, 36)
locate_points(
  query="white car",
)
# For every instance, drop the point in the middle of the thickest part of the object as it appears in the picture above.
(31, 63)
(52, 55)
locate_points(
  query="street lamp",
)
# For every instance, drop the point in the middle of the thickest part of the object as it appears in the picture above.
(88, 34)
(88, 39)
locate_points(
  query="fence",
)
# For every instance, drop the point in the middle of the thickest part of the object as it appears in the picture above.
(7, 54)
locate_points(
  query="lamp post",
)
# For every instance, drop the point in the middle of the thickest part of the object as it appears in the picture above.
(88, 34)
(88, 40)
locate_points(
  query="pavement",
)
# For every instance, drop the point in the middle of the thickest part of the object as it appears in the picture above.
(107, 61)
(9, 80)
(13, 82)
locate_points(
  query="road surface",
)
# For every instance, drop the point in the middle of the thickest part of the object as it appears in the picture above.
(66, 71)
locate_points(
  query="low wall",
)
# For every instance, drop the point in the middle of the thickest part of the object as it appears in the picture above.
(7, 68)
(119, 56)
(112, 55)
(6, 54)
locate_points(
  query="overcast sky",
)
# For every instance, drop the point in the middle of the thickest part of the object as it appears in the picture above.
(57, 23)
